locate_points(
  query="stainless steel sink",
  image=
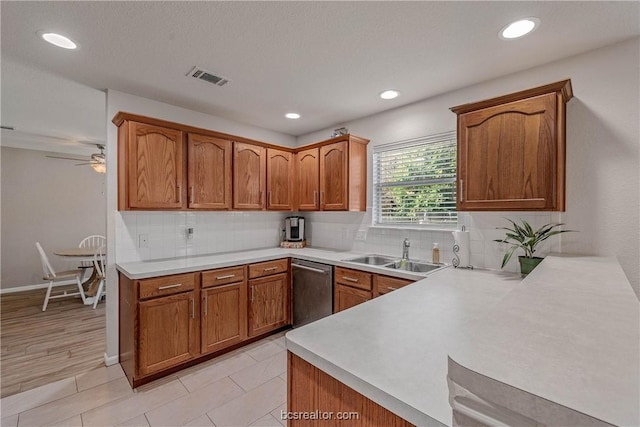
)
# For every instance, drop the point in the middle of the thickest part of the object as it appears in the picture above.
(372, 260)
(418, 267)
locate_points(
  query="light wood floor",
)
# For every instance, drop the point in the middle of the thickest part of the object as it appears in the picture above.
(42, 347)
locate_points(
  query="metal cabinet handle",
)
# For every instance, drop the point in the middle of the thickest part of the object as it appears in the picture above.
(315, 198)
(179, 188)
(270, 269)
(191, 198)
(193, 308)
(177, 285)
(391, 288)
(350, 279)
(321, 194)
(228, 276)
(462, 190)
(252, 289)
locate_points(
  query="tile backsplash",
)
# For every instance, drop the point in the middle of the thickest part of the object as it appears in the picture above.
(213, 232)
(216, 232)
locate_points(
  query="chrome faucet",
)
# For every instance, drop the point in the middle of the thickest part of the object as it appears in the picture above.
(405, 248)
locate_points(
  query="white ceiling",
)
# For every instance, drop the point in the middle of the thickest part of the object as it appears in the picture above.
(326, 60)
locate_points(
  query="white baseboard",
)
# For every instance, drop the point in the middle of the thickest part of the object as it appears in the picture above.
(110, 360)
(34, 287)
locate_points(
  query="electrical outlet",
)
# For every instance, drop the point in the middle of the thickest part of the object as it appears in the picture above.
(361, 235)
(143, 240)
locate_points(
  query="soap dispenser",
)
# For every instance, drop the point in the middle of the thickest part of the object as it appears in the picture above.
(435, 254)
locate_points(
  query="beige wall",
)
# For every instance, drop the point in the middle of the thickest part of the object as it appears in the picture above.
(46, 200)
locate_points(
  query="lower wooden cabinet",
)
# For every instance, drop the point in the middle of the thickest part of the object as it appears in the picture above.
(168, 332)
(347, 297)
(350, 288)
(268, 303)
(224, 316)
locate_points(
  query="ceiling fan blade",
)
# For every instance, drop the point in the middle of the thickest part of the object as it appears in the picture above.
(68, 158)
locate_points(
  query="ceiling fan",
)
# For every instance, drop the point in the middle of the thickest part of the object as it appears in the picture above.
(97, 160)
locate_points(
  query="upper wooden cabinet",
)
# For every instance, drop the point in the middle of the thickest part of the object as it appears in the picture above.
(151, 171)
(308, 179)
(511, 151)
(249, 176)
(280, 170)
(164, 165)
(209, 171)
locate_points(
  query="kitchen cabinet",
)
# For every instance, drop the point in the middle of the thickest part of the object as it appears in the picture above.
(308, 177)
(224, 308)
(350, 288)
(151, 171)
(249, 176)
(385, 284)
(269, 293)
(167, 323)
(171, 166)
(209, 172)
(343, 174)
(511, 151)
(280, 169)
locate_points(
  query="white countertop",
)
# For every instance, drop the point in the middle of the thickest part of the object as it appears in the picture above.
(568, 333)
(164, 267)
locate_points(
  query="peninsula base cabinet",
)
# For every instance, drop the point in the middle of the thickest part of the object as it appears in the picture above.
(168, 323)
(310, 390)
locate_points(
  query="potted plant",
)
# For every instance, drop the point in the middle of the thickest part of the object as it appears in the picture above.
(523, 236)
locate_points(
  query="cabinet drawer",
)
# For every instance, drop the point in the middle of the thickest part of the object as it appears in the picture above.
(222, 276)
(354, 278)
(167, 285)
(386, 284)
(268, 268)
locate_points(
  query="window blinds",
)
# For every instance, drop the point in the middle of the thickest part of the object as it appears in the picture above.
(415, 181)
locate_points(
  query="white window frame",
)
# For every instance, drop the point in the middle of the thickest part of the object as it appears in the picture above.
(446, 139)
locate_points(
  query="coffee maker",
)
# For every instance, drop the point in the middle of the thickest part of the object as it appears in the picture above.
(294, 229)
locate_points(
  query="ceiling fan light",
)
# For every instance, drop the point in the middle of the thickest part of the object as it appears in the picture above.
(99, 167)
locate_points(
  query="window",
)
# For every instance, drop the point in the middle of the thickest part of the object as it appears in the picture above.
(414, 182)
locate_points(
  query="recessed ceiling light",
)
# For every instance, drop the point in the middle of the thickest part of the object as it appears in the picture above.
(389, 94)
(519, 28)
(292, 116)
(58, 40)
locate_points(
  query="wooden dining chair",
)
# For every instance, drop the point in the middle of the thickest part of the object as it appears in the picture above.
(99, 264)
(92, 241)
(51, 275)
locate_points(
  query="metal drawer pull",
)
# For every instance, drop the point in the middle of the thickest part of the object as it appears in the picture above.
(228, 276)
(179, 189)
(270, 269)
(391, 288)
(315, 198)
(350, 279)
(177, 285)
(193, 308)
(191, 195)
(304, 267)
(462, 190)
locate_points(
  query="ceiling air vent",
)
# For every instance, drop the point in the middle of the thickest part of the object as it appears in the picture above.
(200, 74)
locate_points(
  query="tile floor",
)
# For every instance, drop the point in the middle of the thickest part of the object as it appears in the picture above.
(246, 387)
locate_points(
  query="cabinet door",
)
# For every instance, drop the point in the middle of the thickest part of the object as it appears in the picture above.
(167, 332)
(346, 297)
(308, 176)
(224, 316)
(268, 303)
(507, 156)
(249, 174)
(209, 169)
(155, 167)
(334, 177)
(279, 179)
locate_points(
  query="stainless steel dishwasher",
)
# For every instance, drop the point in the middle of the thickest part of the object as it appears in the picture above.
(312, 291)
